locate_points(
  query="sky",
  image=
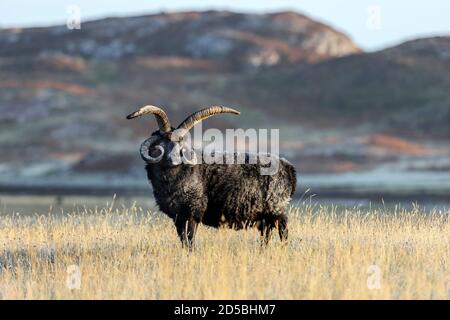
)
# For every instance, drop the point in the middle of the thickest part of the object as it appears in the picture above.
(372, 25)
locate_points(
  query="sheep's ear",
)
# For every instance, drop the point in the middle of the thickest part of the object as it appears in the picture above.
(160, 115)
(203, 114)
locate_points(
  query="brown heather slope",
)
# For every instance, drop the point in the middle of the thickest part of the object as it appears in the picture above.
(404, 90)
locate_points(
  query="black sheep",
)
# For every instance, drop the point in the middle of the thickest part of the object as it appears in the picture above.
(234, 195)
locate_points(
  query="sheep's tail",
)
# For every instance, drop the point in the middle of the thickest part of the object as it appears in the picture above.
(292, 178)
(291, 174)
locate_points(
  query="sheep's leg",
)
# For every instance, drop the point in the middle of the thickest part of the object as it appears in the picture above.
(268, 234)
(186, 229)
(283, 228)
(265, 228)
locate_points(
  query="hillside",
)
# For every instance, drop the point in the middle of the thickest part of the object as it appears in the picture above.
(404, 89)
(231, 39)
(64, 93)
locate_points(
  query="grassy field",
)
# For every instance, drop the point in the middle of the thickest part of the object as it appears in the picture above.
(124, 253)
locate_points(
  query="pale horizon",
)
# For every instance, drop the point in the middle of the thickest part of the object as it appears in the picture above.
(397, 23)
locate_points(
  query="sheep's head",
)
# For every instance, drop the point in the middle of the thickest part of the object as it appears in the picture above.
(167, 146)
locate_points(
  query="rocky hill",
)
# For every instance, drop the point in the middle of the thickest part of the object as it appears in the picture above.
(235, 40)
(64, 93)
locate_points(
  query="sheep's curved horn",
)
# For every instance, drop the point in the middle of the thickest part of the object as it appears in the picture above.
(160, 115)
(201, 115)
(145, 146)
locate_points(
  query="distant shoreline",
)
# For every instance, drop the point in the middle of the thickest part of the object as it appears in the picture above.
(137, 190)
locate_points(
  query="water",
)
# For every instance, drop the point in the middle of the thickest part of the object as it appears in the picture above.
(373, 189)
(30, 205)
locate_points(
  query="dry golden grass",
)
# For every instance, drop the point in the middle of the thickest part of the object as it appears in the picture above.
(129, 253)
